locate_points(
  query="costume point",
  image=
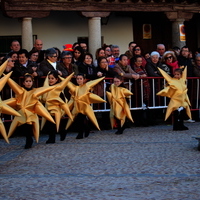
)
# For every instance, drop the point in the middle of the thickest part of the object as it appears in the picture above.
(118, 105)
(177, 92)
(81, 98)
(28, 106)
(4, 108)
(53, 103)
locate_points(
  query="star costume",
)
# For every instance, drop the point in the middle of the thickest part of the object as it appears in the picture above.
(81, 98)
(54, 104)
(177, 92)
(118, 105)
(4, 108)
(28, 105)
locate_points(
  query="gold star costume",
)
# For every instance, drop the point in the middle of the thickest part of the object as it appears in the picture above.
(28, 105)
(81, 98)
(54, 104)
(4, 108)
(177, 91)
(118, 105)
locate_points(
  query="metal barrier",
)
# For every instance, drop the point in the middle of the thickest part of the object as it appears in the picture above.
(137, 87)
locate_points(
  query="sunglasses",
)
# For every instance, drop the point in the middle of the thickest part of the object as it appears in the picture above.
(169, 57)
(54, 56)
(137, 49)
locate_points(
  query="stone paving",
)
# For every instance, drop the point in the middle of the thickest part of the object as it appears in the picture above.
(153, 163)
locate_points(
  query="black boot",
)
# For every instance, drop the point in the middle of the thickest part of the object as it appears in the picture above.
(29, 142)
(63, 135)
(80, 135)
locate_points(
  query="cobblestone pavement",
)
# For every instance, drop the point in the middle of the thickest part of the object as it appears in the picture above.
(143, 163)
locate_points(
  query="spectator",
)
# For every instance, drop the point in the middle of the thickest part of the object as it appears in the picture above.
(38, 45)
(99, 53)
(33, 55)
(77, 55)
(160, 49)
(129, 52)
(50, 63)
(107, 50)
(114, 58)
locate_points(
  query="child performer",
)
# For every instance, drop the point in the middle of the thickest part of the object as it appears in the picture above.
(55, 102)
(80, 101)
(119, 108)
(27, 104)
(177, 91)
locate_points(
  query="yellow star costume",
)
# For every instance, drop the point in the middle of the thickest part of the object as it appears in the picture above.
(81, 98)
(54, 104)
(118, 105)
(28, 105)
(4, 108)
(177, 91)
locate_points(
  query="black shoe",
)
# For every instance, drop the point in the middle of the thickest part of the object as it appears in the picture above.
(63, 136)
(184, 128)
(118, 132)
(28, 144)
(79, 136)
(50, 141)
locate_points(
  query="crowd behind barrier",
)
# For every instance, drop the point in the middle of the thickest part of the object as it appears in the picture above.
(136, 100)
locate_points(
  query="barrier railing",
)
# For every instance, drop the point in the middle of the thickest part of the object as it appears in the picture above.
(137, 101)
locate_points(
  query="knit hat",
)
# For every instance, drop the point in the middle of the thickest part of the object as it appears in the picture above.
(153, 53)
(67, 47)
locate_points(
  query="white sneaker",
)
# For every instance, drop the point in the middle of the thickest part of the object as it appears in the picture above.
(189, 120)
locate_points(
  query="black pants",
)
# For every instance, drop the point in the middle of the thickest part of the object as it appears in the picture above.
(178, 120)
(28, 131)
(83, 125)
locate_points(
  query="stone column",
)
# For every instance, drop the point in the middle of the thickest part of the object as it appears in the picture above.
(27, 33)
(94, 29)
(178, 18)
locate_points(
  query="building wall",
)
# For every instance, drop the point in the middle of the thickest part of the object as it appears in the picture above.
(64, 27)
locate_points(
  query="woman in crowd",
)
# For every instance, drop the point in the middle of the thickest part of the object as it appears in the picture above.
(107, 50)
(87, 68)
(33, 56)
(67, 64)
(169, 59)
(50, 63)
(77, 55)
(137, 52)
(99, 53)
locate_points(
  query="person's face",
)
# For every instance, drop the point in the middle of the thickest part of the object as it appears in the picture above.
(15, 46)
(77, 54)
(124, 61)
(22, 59)
(52, 79)
(101, 53)
(88, 60)
(67, 59)
(185, 52)
(103, 63)
(14, 57)
(34, 56)
(137, 51)
(53, 58)
(197, 61)
(80, 80)
(154, 59)
(177, 75)
(169, 58)
(117, 82)
(28, 83)
(115, 52)
(11, 62)
(84, 46)
(38, 45)
(161, 50)
(107, 51)
(138, 62)
(132, 46)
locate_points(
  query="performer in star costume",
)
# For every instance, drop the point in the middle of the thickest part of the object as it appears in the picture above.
(4, 108)
(56, 105)
(27, 103)
(177, 92)
(119, 108)
(80, 101)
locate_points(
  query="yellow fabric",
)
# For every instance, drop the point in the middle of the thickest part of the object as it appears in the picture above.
(80, 100)
(28, 106)
(4, 108)
(177, 91)
(54, 104)
(118, 105)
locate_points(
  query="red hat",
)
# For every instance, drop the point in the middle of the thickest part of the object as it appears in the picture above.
(67, 47)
